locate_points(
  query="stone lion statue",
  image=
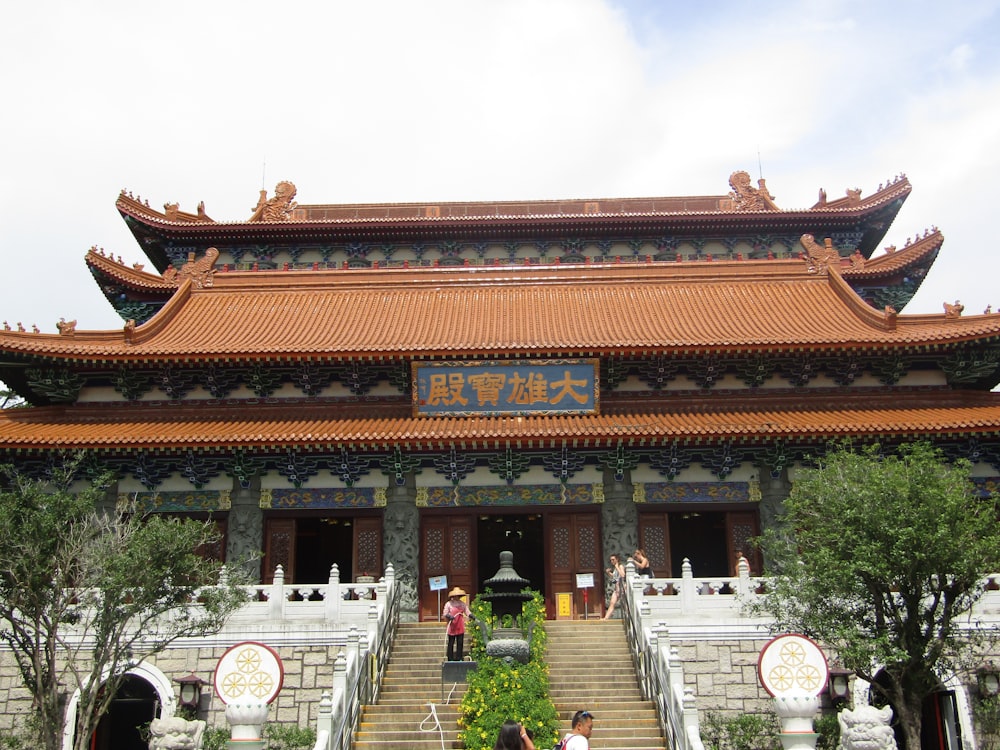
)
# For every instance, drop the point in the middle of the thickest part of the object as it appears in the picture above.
(866, 728)
(175, 733)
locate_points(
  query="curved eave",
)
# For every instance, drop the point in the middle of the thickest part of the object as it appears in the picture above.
(105, 268)
(318, 428)
(921, 253)
(397, 315)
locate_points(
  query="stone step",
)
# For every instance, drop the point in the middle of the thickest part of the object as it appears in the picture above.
(603, 683)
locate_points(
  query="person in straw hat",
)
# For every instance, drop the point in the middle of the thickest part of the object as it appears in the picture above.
(455, 612)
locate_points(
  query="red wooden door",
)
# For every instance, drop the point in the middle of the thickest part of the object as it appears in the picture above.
(368, 547)
(446, 549)
(741, 527)
(574, 548)
(654, 540)
(279, 548)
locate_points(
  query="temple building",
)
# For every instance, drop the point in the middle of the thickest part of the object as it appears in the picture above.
(429, 384)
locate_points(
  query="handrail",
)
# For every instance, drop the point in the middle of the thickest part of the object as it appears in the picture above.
(658, 670)
(365, 672)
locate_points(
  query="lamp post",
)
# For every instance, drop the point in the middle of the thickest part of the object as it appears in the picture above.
(190, 691)
(838, 685)
(988, 680)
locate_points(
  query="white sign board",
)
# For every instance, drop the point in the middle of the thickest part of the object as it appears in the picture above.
(790, 665)
(438, 583)
(249, 672)
(585, 580)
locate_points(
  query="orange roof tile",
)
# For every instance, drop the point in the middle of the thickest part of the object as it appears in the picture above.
(517, 311)
(321, 425)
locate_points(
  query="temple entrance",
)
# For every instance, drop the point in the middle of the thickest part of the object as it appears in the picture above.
(135, 705)
(711, 540)
(700, 537)
(307, 546)
(446, 549)
(574, 549)
(550, 550)
(521, 534)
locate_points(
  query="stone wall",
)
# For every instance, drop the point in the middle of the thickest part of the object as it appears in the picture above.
(308, 672)
(723, 675)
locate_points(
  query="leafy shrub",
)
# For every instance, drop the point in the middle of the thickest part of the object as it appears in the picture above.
(289, 737)
(498, 691)
(276, 736)
(986, 711)
(743, 732)
(215, 738)
(828, 729)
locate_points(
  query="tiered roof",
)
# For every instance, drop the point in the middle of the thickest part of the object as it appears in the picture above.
(733, 310)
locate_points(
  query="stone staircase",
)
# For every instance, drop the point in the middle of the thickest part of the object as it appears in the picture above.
(411, 683)
(590, 668)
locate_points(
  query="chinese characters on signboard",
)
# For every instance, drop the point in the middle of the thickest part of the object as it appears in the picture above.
(479, 388)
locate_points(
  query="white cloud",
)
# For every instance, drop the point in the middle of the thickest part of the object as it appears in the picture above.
(394, 101)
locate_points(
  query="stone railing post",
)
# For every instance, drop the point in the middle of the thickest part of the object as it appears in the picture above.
(340, 696)
(662, 647)
(373, 622)
(352, 640)
(689, 593)
(676, 670)
(744, 586)
(692, 729)
(334, 598)
(324, 721)
(276, 597)
(383, 586)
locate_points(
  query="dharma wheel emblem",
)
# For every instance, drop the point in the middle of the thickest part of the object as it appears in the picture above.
(792, 665)
(248, 672)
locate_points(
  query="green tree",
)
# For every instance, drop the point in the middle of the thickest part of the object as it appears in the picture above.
(882, 557)
(86, 595)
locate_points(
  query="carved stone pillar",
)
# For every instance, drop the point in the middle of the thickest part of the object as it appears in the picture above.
(400, 535)
(773, 491)
(108, 504)
(619, 517)
(245, 531)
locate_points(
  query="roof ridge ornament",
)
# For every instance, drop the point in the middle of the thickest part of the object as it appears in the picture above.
(821, 258)
(200, 271)
(746, 197)
(278, 208)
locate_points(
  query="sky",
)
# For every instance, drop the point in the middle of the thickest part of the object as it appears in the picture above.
(386, 101)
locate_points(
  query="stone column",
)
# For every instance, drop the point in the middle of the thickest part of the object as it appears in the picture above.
(245, 531)
(773, 491)
(108, 504)
(619, 518)
(400, 542)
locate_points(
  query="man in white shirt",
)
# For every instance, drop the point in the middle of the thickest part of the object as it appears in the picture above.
(579, 736)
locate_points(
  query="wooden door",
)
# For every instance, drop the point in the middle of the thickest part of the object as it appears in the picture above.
(654, 539)
(574, 548)
(741, 527)
(446, 549)
(367, 558)
(279, 548)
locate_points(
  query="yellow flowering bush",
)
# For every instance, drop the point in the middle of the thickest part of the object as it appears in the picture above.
(498, 691)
